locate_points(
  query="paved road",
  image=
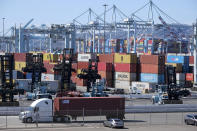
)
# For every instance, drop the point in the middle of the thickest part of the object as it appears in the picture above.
(134, 122)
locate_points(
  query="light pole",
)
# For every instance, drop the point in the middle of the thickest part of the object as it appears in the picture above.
(3, 26)
(105, 5)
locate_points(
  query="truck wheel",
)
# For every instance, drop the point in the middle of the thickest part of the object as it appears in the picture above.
(29, 120)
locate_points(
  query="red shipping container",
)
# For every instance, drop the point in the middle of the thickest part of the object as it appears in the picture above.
(191, 59)
(82, 65)
(20, 57)
(49, 67)
(120, 67)
(189, 76)
(107, 58)
(105, 75)
(102, 66)
(74, 106)
(150, 68)
(152, 59)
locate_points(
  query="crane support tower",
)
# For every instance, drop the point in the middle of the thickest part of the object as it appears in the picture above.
(34, 65)
(65, 69)
(90, 74)
(7, 87)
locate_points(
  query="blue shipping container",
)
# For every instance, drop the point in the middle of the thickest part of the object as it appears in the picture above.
(29, 76)
(177, 59)
(153, 78)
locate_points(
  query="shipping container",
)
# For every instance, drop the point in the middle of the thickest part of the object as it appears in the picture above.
(17, 74)
(82, 65)
(48, 57)
(178, 59)
(152, 78)
(180, 82)
(49, 67)
(152, 59)
(189, 76)
(107, 58)
(19, 65)
(142, 86)
(191, 59)
(125, 58)
(20, 57)
(102, 66)
(90, 106)
(52, 85)
(47, 77)
(124, 76)
(153, 69)
(124, 67)
(85, 57)
(106, 75)
(126, 85)
(23, 84)
(28, 75)
(180, 76)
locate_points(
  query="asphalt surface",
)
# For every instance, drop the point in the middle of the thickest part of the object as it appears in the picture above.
(134, 122)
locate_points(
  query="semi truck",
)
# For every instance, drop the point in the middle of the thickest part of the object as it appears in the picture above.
(64, 109)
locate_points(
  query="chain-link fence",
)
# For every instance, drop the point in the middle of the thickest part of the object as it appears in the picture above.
(34, 119)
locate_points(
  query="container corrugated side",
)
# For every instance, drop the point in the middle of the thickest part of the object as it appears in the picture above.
(153, 78)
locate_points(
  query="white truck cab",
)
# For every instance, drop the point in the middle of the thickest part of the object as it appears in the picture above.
(40, 110)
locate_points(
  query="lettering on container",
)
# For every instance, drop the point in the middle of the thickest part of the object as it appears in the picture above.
(84, 57)
(122, 76)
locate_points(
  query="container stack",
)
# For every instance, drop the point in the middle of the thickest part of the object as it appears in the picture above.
(179, 60)
(19, 63)
(83, 60)
(125, 70)
(152, 68)
(105, 68)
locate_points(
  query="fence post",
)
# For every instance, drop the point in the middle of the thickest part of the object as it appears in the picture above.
(6, 121)
(83, 116)
(100, 116)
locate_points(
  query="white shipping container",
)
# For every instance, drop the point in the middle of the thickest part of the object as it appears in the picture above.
(47, 77)
(142, 86)
(123, 85)
(85, 57)
(125, 76)
(180, 76)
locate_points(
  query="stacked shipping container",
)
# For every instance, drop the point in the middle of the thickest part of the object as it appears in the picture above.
(125, 70)
(152, 68)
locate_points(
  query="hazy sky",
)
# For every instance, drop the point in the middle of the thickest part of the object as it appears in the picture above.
(63, 11)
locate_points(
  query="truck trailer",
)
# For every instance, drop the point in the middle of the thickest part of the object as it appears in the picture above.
(63, 109)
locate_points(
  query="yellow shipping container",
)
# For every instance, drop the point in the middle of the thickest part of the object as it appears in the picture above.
(79, 71)
(48, 57)
(177, 65)
(19, 65)
(125, 58)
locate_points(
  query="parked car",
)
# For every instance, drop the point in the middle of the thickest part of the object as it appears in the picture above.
(114, 123)
(191, 119)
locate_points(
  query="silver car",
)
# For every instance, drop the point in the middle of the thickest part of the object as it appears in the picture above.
(191, 119)
(114, 123)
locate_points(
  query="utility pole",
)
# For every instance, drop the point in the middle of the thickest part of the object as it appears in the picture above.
(105, 5)
(195, 51)
(3, 31)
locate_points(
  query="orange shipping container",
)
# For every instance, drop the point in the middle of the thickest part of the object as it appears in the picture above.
(150, 68)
